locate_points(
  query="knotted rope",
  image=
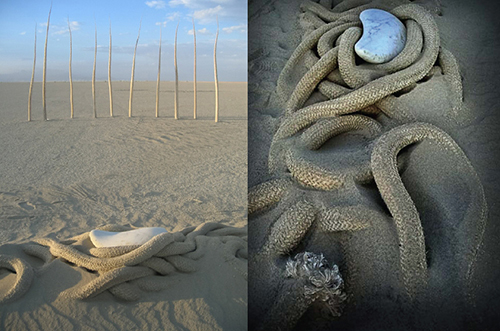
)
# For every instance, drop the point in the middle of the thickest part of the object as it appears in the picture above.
(117, 267)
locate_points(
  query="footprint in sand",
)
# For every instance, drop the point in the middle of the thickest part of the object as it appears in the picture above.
(26, 205)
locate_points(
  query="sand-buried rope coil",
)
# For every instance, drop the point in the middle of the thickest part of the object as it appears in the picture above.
(348, 87)
(328, 54)
(405, 215)
(117, 267)
(24, 277)
(325, 57)
(369, 93)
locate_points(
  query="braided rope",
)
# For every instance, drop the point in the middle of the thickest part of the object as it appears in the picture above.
(320, 132)
(117, 267)
(327, 51)
(290, 228)
(374, 90)
(24, 277)
(403, 210)
(266, 194)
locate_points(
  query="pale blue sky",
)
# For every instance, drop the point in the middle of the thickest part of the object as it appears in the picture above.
(17, 29)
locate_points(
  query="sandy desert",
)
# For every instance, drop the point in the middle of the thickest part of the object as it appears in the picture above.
(64, 177)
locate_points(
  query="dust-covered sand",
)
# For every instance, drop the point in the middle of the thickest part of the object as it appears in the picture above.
(444, 188)
(65, 177)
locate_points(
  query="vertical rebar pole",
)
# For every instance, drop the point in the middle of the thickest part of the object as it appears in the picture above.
(109, 75)
(176, 97)
(194, 83)
(158, 80)
(72, 114)
(93, 71)
(132, 76)
(215, 75)
(32, 80)
(45, 67)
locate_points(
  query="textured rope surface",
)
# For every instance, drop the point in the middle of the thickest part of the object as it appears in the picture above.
(375, 90)
(117, 267)
(328, 53)
(353, 97)
(266, 194)
(24, 277)
(326, 94)
(403, 210)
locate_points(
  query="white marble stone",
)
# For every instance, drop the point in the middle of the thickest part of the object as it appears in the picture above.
(384, 36)
(133, 237)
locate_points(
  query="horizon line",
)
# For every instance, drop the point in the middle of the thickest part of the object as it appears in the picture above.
(120, 80)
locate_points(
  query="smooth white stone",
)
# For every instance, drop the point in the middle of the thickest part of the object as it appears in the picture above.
(384, 36)
(133, 237)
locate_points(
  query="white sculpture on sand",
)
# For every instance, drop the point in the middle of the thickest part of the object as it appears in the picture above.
(133, 237)
(384, 36)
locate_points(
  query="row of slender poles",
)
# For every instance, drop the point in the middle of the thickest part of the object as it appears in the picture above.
(157, 114)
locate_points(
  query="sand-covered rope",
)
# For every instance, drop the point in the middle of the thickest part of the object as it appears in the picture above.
(403, 210)
(346, 218)
(317, 72)
(118, 267)
(356, 7)
(375, 90)
(328, 54)
(290, 228)
(365, 97)
(377, 100)
(134, 257)
(312, 175)
(267, 194)
(307, 277)
(306, 45)
(24, 277)
(319, 133)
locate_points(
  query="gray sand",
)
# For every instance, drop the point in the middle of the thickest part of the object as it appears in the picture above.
(435, 180)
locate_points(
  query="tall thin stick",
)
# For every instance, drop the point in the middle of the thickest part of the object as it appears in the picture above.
(109, 75)
(176, 99)
(194, 87)
(45, 67)
(132, 77)
(70, 75)
(93, 71)
(32, 79)
(158, 81)
(215, 75)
